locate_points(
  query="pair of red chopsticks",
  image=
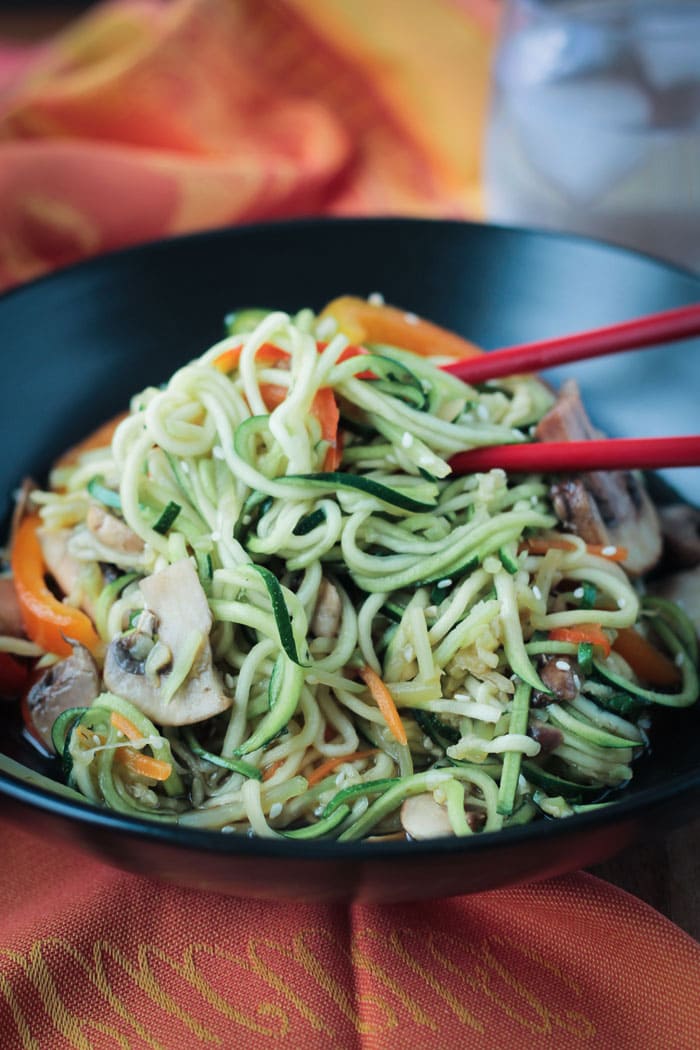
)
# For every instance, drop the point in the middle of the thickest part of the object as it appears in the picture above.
(605, 454)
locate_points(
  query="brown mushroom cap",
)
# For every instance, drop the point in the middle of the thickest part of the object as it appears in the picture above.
(175, 598)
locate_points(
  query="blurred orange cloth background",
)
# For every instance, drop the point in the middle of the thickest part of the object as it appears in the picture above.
(149, 118)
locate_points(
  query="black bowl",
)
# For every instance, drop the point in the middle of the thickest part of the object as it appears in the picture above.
(78, 343)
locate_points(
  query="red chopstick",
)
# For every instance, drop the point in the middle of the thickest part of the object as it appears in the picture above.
(652, 330)
(567, 457)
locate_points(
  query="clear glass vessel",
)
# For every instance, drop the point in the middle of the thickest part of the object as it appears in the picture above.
(595, 122)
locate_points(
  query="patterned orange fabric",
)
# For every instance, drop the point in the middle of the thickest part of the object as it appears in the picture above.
(93, 959)
(150, 118)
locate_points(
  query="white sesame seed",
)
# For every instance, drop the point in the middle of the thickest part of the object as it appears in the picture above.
(442, 584)
(577, 681)
(410, 318)
(537, 592)
(562, 665)
(427, 743)
(275, 810)
(679, 660)
(185, 467)
(482, 411)
(408, 652)
(533, 501)
(621, 603)
(375, 299)
(578, 593)
(608, 552)
(406, 439)
(217, 452)
(216, 536)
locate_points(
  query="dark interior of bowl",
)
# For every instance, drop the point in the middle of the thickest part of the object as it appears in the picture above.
(78, 344)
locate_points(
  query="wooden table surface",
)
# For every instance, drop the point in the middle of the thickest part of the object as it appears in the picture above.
(664, 873)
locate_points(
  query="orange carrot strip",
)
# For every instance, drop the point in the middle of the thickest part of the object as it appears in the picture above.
(267, 354)
(142, 765)
(364, 322)
(385, 703)
(611, 552)
(322, 771)
(542, 544)
(47, 621)
(592, 633)
(649, 664)
(272, 769)
(124, 726)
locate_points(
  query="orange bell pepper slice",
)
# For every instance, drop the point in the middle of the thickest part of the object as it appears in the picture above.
(365, 322)
(649, 664)
(47, 621)
(325, 407)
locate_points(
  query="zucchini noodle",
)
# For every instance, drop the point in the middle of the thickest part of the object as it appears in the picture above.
(308, 622)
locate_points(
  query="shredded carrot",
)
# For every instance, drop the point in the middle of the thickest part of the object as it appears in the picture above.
(124, 726)
(322, 771)
(272, 769)
(267, 354)
(542, 544)
(385, 703)
(592, 633)
(142, 765)
(649, 664)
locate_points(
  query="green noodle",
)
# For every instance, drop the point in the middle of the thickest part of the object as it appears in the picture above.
(310, 574)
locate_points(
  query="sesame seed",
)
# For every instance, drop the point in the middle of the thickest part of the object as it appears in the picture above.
(375, 299)
(537, 592)
(408, 652)
(679, 660)
(442, 584)
(533, 501)
(482, 411)
(577, 681)
(217, 452)
(410, 318)
(275, 810)
(216, 536)
(427, 743)
(406, 439)
(578, 593)
(621, 603)
(185, 467)
(562, 665)
(608, 552)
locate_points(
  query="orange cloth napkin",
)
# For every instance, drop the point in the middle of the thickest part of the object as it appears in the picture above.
(150, 118)
(95, 959)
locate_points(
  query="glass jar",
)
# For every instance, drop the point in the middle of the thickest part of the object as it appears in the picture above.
(595, 122)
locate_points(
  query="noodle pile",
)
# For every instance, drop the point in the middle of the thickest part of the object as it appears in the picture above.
(378, 626)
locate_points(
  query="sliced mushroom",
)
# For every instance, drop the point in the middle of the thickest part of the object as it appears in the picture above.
(684, 589)
(65, 568)
(562, 675)
(73, 682)
(424, 818)
(112, 532)
(325, 621)
(548, 737)
(177, 608)
(10, 615)
(610, 508)
(680, 525)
